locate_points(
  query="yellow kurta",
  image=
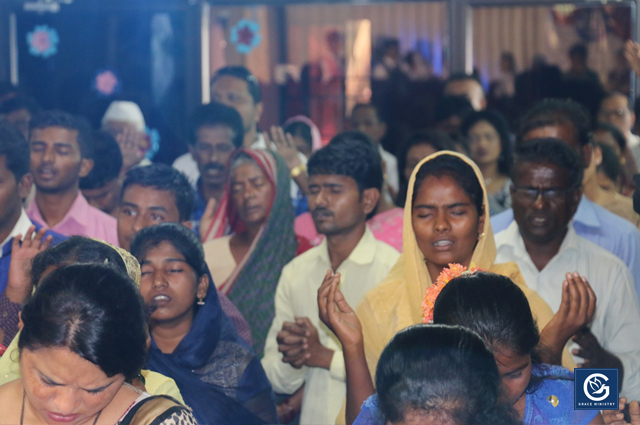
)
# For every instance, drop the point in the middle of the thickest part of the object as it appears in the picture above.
(396, 302)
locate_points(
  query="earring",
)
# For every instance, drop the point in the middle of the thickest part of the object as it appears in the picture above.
(200, 301)
(481, 235)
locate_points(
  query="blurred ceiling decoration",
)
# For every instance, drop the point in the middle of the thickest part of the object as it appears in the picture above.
(44, 6)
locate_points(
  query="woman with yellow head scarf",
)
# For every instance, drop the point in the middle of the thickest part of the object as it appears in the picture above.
(78, 249)
(446, 220)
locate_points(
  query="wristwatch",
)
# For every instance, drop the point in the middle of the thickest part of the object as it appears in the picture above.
(297, 170)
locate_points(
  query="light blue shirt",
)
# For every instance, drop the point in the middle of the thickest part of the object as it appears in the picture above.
(602, 227)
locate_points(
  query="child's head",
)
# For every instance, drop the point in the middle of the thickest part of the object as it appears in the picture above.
(432, 374)
(496, 309)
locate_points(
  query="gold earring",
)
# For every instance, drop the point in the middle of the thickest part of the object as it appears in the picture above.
(200, 301)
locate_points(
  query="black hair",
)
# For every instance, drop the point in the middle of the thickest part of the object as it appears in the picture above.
(300, 129)
(459, 171)
(492, 306)
(241, 73)
(351, 154)
(108, 167)
(610, 165)
(499, 123)
(508, 56)
(164, 177)
(56, 118)
(579, 49)
(216, 114)
(443, 372)
(615, 133)
(93, 310)
(182, 238)
(15, 149)
(75, 250)
(450, 106)
(438, 140)
(551, 151)
(19, 102)
(372, 106)
(558, 111)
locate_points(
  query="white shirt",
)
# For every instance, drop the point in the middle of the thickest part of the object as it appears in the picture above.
(391, 174)
(189, 167)
(617, 317)
(296, 295)
(20, 228)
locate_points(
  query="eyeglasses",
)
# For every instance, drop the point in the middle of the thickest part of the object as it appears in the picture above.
(550, 195)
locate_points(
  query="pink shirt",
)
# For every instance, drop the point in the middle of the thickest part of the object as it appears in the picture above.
(82, 219)
(386, 227)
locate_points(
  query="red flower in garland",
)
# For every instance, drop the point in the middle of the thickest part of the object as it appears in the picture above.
(448, 273)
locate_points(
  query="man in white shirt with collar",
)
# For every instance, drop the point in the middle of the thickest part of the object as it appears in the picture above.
(545, 194)
(345, 183)
(238, 88)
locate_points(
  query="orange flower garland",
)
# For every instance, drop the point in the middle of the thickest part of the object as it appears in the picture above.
(448, 273)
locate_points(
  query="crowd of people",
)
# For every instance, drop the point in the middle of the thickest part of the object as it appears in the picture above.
(269, 278)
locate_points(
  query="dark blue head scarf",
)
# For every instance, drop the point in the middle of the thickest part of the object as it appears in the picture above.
(218, 374)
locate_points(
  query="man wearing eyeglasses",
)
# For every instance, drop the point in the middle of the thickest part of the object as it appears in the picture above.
(616, 110)
(545, 194)
(569, 121)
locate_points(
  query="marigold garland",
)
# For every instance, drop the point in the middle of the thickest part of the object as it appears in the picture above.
(454, 270)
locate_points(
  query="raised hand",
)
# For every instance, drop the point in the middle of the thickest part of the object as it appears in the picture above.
(207, 218)
(337, 314)
(576, 311)
(632, 53)
(285, 146)
(130, 146)
(19, 285)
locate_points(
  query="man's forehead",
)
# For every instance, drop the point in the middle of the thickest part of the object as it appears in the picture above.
(560, 130)
(148, 197)
(616, 101)
(529, 172)
(230, 83)
(58, 134)
(330, 179)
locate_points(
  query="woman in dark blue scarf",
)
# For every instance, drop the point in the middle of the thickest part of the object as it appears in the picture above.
(192, 340)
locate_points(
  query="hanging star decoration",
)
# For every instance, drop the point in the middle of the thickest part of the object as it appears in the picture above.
(43, 41)
(106, 83)
(246, 36)
(448, 273)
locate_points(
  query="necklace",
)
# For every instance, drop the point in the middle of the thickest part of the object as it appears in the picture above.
(24, 393)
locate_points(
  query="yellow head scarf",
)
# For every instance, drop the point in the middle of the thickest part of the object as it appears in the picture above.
(130, 262)
(155, 383)
(396, 302)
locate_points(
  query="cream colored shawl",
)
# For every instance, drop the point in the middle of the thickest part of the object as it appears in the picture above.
(396, 302)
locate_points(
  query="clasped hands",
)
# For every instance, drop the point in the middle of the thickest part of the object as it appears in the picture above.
(300, 345)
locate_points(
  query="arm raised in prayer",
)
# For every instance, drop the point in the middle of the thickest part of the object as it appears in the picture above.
(336, 313)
